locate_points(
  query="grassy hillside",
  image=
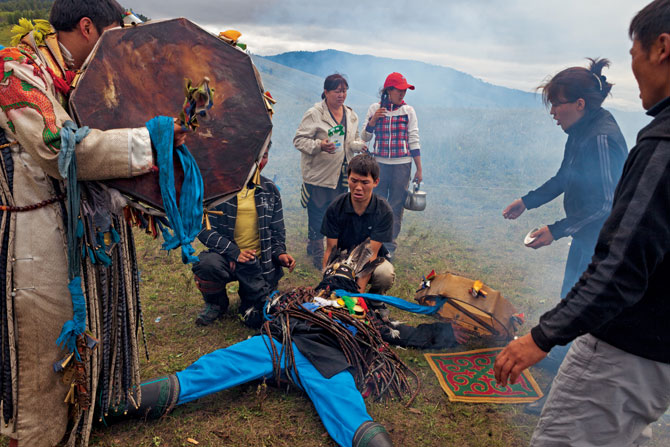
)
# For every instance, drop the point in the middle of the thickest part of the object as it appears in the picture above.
(12, 10)
(5, 34)
(475, 162)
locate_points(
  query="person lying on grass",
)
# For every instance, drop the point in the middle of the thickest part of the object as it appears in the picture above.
(328, 341)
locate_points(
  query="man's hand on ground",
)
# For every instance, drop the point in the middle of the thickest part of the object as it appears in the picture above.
(460, 334)
(287, 261)
(517, 356)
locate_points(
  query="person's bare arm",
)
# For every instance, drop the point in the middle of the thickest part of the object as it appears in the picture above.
(418, 175)
(330, 246)
(363, 280)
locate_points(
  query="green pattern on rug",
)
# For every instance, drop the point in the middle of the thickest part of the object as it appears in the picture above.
(468, 377)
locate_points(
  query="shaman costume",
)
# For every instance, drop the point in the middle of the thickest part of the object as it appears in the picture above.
(35, 301)
(329, 342)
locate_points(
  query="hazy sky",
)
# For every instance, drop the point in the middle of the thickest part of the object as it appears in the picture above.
(515, 43)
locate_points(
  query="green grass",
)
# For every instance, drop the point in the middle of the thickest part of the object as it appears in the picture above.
(254, 415)
(472, 243)
(5, 34)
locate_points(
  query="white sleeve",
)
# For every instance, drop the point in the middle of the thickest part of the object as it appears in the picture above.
(412, 129)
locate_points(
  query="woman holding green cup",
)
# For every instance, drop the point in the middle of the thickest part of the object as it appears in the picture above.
(327, 138)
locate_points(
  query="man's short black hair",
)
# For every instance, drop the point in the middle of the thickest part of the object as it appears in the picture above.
(364, 164)
(652, 21)
(66, 14)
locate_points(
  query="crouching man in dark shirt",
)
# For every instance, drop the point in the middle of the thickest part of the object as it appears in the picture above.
(358, 215)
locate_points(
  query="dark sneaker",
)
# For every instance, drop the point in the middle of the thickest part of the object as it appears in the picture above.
(209, 314)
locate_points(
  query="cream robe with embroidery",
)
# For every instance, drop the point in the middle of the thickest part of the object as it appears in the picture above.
(37, 263)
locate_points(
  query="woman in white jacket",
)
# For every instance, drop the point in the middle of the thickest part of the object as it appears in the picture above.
(394, 126)
(324, 158)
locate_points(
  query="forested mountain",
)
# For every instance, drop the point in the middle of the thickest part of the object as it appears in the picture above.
(12, 10)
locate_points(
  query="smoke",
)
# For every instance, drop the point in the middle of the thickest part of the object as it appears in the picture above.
(476, 160)
(480, 151)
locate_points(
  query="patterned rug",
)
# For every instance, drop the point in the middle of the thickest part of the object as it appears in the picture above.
(468, 377)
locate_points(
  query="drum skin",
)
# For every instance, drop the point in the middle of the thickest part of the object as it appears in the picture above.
(136, 73)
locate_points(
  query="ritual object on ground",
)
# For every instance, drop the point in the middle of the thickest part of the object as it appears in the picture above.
(472, 305)
(143, 68)
(468, 377)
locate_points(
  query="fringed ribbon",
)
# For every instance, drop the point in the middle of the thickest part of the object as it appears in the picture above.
(67, 167)
(101, 250)
(398, 302)
(185, 220)
(76, 326)
(62, 85)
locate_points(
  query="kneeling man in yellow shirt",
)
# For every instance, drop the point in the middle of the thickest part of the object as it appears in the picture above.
(246, 243)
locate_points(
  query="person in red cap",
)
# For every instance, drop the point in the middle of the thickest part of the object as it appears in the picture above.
(394, 126)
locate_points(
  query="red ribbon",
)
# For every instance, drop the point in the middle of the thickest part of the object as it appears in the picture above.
(361, 302)
(62, 85)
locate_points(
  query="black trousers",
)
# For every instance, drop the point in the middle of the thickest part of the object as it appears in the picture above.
(319, 200)
(214, 268)
(393, 183)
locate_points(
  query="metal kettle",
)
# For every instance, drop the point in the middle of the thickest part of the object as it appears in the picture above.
(415, 200)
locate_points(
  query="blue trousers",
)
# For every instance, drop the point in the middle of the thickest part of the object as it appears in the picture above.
(579, 258)
(337, 400)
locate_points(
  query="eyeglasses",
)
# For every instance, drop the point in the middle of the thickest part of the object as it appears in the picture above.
(560, 103)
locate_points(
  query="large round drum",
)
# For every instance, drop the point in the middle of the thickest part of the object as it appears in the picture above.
(137, 73)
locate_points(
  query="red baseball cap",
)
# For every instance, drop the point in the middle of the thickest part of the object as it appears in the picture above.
(396, 80)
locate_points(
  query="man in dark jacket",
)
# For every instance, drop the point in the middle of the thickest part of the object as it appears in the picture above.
(616, 376)
(246, 243)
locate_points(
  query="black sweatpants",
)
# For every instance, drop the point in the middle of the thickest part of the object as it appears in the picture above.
(253, 286)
